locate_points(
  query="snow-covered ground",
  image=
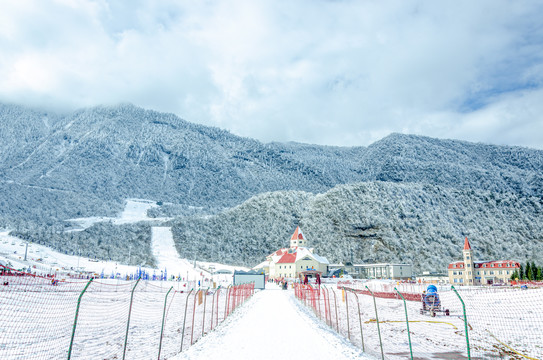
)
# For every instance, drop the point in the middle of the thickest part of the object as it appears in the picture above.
(168, 259)
(503, 323)
(135, 210)
(273, 325)
(43, 260)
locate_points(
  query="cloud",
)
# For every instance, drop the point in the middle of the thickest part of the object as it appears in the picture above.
(338, 73)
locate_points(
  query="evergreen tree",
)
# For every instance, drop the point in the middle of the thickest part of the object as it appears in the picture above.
(528, 271)
(514, 275)
(521, 272)
(534, 271)
(539, 274)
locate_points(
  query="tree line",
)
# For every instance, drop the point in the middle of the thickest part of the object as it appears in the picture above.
(530, 271)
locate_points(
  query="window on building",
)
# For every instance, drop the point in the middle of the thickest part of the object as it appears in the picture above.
(467, 257)
(455, 280)
(478, 273)
(469, 265)
(461, 280)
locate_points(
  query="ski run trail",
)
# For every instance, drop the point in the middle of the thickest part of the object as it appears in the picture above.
(273, 325)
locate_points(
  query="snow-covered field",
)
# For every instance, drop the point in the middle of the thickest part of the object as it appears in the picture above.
(36, 318)
(503, 323)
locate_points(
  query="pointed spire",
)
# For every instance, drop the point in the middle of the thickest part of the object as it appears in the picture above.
(297, 234)
(467, 246)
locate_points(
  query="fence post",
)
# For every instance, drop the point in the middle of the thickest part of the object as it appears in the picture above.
(319, 302)
(407, 323)
(185, 319)
(217, 306)
(377, 320)
(360, 321)
(193, 316)
(465, 320)
(227, 302)
(163, 319)
(129, 314)
(327, 306)
(204, 316)
(347, 307)
(335, 306)
(213, 307)
(76, 316)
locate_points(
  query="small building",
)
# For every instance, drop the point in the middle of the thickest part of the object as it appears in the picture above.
(381, 271)
(290, 262)
(432, 278)
(470, 272)
(246, 277)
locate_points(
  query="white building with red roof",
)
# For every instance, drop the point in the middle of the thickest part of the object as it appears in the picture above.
(290, 262)
(471, 272)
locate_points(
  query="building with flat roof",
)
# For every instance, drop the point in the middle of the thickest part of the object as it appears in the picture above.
(380, 271)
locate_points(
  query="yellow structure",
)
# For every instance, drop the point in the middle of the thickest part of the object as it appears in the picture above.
(470, 272)
(290, 262)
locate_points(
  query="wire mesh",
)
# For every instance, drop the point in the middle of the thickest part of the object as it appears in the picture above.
(502, 322)
(38, 317)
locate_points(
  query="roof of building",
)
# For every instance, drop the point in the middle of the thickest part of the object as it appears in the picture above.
(379, 264)
(262, 265)
(303, 252)
(297, 234)
(489, 264)
(287, 259)
(467, 246)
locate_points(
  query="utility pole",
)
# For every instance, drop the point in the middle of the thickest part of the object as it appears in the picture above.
(26, 249)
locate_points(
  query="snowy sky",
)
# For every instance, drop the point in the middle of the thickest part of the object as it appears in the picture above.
(324, 72)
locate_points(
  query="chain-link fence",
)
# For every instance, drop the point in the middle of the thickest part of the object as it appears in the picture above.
(446, 323)
(42, 318)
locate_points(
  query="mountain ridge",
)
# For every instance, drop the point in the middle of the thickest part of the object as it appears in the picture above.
(87, 162)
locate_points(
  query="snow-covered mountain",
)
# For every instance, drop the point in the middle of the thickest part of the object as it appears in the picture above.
(55, 167)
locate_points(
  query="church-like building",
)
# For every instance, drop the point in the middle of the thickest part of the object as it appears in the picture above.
(470, 272)
(288, 263)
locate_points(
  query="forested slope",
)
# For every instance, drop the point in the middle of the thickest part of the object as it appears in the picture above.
(373, 222)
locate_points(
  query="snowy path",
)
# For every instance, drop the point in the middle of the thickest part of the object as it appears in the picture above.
(273, 325)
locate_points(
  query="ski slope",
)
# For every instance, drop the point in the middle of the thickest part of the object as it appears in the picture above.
(50, 261)
(273, 325)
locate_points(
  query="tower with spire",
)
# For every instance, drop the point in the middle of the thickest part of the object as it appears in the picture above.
(470, 272)
(469, 269)
(297, 239)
